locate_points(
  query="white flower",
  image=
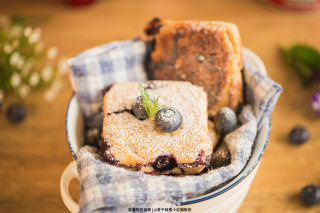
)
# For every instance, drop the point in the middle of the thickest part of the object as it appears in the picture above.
(15, 80)
(1, 96)
(39, 47)
(27, 67)
(47, 73)
(52, 53)
(14, 59)
(49, 95)
(56, 86)
(24, 90)
(34, 79)
(35, 36)
(20, 63)
(63, 66)
(7, 48)
(27, 31)
(15, 31)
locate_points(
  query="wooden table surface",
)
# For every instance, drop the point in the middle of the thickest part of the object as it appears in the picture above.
(34, 153)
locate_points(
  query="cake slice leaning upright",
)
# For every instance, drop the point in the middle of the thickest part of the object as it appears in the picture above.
(137, 143)
(206, 53)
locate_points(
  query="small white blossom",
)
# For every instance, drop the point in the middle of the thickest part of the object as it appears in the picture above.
(27, 31)
(15, 80)
(24, 90)
(7, 48)
(14, 59)
(49, 95)
(47, 73)
(34, 79)
(20, 63)
(39, 47)
(15, 31)
(56, 86)
(1, 96)
(52, 53)
(63, 66)
(27, 68)
(35, 36)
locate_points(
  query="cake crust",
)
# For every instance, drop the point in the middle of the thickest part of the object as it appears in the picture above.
(207, 54)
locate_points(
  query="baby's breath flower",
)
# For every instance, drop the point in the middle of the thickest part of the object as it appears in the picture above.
(15, 80)
(49, 95)
(47, 73)
(52, 53)
(20, 63)
(14, 58)
(56, 86)
(24, 90)
(27, 67)
(34, 79)
(39, 47)
(35, 36)
(63, 66)
(1, 96)
(15, 31)
(27, 31)
(7, 48)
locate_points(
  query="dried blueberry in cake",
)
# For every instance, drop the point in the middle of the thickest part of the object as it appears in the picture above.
(138, 109)
(164, 163)
(168, 119)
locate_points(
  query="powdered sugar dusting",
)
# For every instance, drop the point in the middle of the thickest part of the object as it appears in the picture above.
(133, 141)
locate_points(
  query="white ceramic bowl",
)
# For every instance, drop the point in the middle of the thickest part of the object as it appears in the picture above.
(225, 199)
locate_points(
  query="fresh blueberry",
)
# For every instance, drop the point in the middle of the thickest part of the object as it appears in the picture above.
(299, 135)
(225, 120)
(16, 112)
(168, 119)
(164, 163)
(310, 195)
(138, 109)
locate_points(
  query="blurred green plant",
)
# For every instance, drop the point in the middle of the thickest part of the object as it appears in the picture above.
(25, 62)
(305, 60)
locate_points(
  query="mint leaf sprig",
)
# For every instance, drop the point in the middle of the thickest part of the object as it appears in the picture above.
(151, 106)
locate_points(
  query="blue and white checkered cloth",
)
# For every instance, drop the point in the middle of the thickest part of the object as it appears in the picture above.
(107, 188)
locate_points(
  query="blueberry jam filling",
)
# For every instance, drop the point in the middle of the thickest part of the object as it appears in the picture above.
(164, 163)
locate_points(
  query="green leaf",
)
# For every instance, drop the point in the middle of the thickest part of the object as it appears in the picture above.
(305, 73)
(149, 105)
(305, 54)
(304, 59)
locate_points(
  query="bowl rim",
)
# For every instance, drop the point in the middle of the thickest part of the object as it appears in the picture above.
(203, 197)
(216, 192)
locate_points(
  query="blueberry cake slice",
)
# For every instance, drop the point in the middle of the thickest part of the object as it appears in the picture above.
(206, 53)
(136, 142)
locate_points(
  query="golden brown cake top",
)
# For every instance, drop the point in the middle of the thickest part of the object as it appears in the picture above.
(206, 53)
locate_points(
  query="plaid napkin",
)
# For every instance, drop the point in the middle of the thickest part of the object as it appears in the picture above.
(107, 188)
